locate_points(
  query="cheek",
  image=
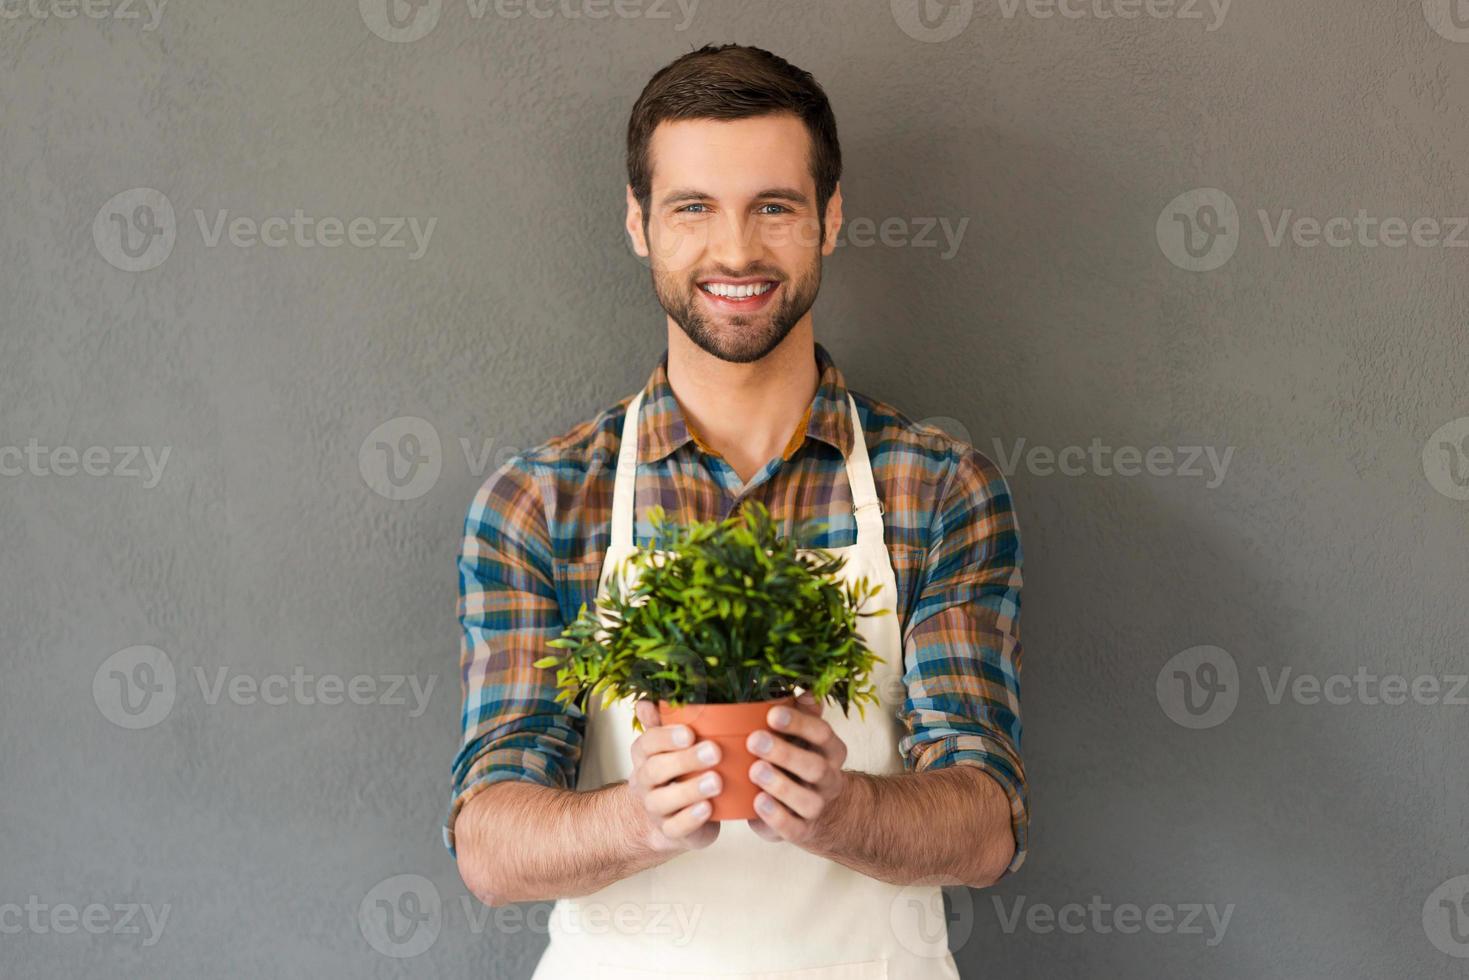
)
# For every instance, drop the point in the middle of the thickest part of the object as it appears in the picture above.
(675, 249)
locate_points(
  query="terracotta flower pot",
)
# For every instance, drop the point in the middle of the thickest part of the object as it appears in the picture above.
(727, 725)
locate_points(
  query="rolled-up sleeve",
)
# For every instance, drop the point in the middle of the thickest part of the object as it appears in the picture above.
(962, 641)
(512, 726)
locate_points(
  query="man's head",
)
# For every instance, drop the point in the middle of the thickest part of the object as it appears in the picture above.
(733, 167)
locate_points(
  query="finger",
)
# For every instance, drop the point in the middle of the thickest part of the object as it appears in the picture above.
(661, 738)
(686, 821)
(800, 800)
(660, 767)
(801, 724)
(647, 713)
(806, 701)
(763, 830)
(802, 763)
(677, 794)
(775, 816)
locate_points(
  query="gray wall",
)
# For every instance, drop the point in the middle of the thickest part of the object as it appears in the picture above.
(1070, 310)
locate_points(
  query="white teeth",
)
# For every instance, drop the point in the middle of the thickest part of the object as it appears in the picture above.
(738, 292)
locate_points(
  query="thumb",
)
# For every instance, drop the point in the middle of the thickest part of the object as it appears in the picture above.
(647, 713)
(806, 701)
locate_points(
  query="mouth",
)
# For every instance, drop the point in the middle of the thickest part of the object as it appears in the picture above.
(738, 295)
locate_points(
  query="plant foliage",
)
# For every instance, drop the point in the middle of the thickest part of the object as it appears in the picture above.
(721, 612)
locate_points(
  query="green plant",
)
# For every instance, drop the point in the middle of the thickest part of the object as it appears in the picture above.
(721, 612)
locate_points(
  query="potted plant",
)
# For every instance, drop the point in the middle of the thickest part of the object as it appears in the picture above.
(718, 621)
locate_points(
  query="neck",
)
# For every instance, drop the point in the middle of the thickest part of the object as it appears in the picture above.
(744, 412)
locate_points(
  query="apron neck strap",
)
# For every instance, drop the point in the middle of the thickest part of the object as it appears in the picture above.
(865, 504)
(627, 477)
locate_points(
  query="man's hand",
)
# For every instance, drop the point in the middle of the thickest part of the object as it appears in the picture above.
(677, 813)
(800, 771)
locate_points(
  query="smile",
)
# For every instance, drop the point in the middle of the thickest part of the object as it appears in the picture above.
(738, 295)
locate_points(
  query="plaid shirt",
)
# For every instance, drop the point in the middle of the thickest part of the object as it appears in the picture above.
(538, 528)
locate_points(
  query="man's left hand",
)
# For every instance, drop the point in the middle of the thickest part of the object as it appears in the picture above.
(800, 778)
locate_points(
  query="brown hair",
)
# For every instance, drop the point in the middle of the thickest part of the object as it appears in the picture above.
(732, 82)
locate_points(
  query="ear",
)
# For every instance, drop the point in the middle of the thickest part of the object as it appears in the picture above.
(833, 220)
(634, 224)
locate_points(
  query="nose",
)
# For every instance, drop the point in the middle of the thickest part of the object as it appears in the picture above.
(735, 241)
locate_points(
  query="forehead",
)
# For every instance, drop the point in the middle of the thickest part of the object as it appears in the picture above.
(732, 155)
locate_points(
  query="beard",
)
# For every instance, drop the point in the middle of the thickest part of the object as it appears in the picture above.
(739, 337)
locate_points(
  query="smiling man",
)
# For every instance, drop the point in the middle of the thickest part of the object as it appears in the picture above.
(733, 195)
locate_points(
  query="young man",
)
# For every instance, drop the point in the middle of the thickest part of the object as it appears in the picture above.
(733, 195)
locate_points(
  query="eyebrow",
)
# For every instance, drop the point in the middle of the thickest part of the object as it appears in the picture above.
(681, 195)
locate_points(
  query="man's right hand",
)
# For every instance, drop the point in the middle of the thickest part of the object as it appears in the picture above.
(676, 813)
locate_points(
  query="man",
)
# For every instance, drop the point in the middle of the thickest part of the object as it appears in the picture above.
(733, 195)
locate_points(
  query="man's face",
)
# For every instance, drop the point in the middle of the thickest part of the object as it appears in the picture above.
(733, 236)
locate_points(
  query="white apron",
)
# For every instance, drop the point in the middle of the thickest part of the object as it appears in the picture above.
(745, 908)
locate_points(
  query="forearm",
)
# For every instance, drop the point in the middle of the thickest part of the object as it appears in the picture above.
(944, 826)
(523, 842)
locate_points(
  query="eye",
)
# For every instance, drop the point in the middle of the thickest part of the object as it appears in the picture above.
(686, 207)
(779, 209)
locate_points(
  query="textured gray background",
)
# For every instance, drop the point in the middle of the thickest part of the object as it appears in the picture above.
(1060, 319)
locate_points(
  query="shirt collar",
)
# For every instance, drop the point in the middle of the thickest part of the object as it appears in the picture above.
(662, 427)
